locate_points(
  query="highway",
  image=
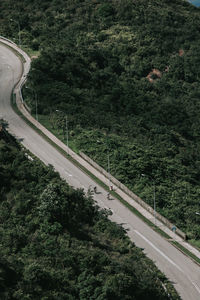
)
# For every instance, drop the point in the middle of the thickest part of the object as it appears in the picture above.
(181, 270)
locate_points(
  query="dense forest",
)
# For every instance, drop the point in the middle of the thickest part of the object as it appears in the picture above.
(55, 243)
(127, 75)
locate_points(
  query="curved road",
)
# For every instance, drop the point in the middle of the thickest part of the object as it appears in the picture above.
(182, 271)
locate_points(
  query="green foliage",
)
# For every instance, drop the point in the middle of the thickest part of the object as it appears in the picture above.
(66, 206)
(94, 60)
(56, 244)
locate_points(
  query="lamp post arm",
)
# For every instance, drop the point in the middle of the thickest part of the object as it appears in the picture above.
(36, 102)
(154, 200)
(66, 128)
(154, 195)
(67, 136)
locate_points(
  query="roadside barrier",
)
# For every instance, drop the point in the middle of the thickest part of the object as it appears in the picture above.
(134, 196)
(20, 103)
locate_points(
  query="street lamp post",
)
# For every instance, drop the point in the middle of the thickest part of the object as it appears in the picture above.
(108, 163)
(154, 196)
(66, 128)
(36, 102)
(154, 201)
(19, 34)
(109, 169)
(36, 106)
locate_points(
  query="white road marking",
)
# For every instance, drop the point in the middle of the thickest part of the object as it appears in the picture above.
(68, 174)
(167, 258)
(197, 288)
(160, 252)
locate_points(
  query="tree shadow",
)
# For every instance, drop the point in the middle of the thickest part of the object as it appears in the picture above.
(3, 124)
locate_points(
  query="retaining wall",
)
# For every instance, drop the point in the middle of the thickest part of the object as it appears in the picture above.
(26, 67)
(133, 196)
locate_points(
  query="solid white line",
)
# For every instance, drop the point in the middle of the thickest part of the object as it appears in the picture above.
(68, 174)
(167, 258)
(160, 252)
(197, 288)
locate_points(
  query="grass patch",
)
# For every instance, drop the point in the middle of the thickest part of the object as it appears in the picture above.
(44, 122)
(137, 213)
(103, 185)
(185, 251)
(99, 182)
(195, 243)
(32, 53)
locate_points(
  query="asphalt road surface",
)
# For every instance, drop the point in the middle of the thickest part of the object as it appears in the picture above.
(181, 270)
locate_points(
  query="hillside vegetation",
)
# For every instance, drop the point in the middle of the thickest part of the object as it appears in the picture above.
(127, 75)
(55, 243)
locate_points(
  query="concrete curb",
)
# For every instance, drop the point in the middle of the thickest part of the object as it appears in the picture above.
(80, 160)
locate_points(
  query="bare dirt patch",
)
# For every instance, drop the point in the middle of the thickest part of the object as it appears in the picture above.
(181, 52)
(154, 75)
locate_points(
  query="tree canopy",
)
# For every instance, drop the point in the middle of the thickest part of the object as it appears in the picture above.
(55, 242)
(128, 72)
